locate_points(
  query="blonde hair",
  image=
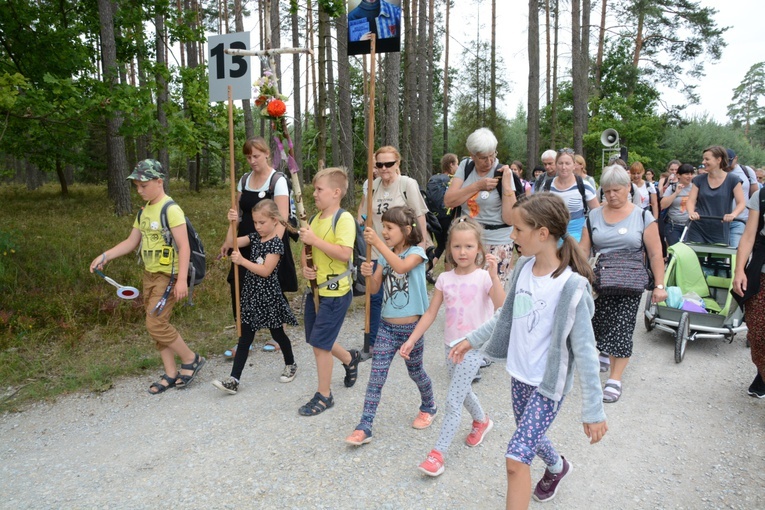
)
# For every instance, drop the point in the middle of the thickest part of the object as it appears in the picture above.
(389, 149)
(336, 176)
(579, 159)
(548, 210)
(268, 208)
(466, 224)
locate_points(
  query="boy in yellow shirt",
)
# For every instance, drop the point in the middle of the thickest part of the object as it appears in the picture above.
(161, 273)
(331, 240)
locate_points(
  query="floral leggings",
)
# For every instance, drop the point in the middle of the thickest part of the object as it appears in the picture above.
(533, 416)
(389, 339)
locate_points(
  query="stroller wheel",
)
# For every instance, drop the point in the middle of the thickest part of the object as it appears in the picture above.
(681, 336)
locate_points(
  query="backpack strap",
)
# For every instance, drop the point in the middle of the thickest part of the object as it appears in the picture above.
(347, 273)
(580, 186)
(243, 180)
(272, 183)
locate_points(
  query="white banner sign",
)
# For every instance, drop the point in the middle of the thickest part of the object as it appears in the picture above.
(225, 70)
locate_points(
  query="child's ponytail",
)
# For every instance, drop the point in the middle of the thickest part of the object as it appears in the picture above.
(570, 255)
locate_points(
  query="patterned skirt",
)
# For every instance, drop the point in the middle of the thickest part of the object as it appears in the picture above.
(614, 324)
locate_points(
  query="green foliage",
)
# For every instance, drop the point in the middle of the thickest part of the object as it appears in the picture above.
(687, 142)
(678, 37)
(748, 103)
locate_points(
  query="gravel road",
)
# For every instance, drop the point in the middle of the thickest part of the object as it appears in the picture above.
(682, 436)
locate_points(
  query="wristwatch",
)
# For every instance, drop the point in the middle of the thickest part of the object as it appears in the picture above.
(659, 286)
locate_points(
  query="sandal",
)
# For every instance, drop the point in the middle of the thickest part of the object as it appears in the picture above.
(611, 393)
(161, 388)
(317, 405)
(196, 365)
(352, 369)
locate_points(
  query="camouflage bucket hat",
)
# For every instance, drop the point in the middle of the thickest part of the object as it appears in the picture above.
(147, 170)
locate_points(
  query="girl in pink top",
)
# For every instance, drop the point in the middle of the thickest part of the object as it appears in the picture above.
(471, 294)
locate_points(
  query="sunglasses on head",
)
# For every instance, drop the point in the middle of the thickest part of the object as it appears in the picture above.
(386, 164)
(566, 150)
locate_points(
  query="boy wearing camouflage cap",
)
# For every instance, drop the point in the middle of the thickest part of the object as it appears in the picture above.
(165, 273)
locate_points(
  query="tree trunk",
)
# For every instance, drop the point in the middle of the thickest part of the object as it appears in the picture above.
(493, 65)
(547, 37)
(430, 119)
(576, 64)
(297, 126)
(601, 45)
(162, 93)
(421, 170)
(61, 177)
(410, 84)
(391, 132)
(344, 108)
(554, 109)
(321, 119)
(532, 136)
(312, 61)
(332, 98)
(116, 162)
(446, 81)
(249, 125)
(193, 61)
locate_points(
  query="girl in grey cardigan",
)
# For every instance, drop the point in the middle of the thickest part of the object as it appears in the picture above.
(543, 329)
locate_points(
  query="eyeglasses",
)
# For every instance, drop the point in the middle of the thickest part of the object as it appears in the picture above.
(566, 150)
(487, 158)
(386, 164)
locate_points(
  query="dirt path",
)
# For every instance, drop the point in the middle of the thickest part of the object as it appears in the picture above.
(683, 436)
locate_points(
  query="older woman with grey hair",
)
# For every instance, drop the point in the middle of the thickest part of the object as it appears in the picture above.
(478, 187)
(620, 225)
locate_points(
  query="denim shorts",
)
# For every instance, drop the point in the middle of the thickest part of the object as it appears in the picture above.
(321, 329)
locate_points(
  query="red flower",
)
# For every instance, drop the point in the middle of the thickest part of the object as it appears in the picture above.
(260, 101)
(276, 108)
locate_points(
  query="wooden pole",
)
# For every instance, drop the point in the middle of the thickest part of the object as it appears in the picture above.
(296, 189)
(370, 180)
(232, 178)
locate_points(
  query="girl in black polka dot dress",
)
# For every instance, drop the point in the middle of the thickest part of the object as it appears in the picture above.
(263, 303)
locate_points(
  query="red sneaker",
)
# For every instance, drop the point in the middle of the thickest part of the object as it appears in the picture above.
(479, 431)
(433, 465)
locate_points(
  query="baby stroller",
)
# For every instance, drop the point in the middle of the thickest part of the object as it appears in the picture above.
(706, 271)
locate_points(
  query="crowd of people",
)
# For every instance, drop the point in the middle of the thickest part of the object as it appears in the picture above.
(516, 285)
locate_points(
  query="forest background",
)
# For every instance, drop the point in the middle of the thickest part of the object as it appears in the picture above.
(88, 88)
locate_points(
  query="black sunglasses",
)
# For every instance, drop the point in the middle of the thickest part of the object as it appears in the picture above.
(386, 164)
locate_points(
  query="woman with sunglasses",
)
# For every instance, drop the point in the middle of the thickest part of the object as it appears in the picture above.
(482, 194)
(391, 189)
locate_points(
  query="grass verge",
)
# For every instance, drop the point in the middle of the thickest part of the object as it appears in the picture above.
(63, 329)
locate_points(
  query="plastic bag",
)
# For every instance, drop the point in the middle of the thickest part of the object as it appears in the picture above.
(674, 297)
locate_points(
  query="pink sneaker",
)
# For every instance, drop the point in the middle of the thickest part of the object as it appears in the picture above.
(479, 432)
(433, 465)
(423, 420)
